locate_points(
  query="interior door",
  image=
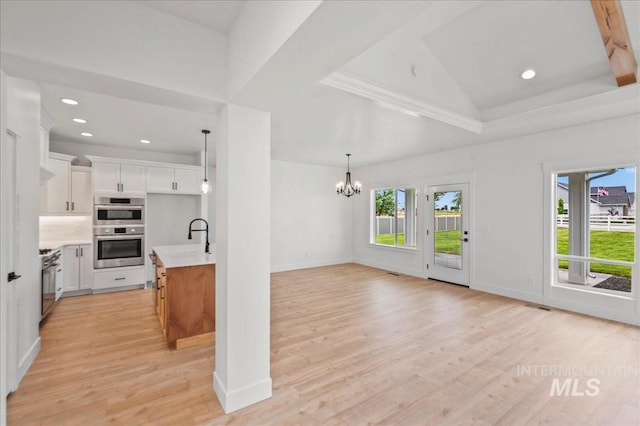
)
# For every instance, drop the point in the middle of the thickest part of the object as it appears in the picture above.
(8, 262)
(447, 239)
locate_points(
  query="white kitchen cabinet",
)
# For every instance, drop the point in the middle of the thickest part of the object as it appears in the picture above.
(118, 277)
(81, 200)
(60, 275)
(78, 267)
(69, 190)
(168, 180)
(118, 179)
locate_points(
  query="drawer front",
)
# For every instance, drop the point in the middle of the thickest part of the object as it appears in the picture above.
(118, 277)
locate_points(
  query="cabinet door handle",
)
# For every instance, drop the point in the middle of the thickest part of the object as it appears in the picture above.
(67, 206)
(73, 205)
(122, 187)
(76, 252)
(119, 279)
(81, 251)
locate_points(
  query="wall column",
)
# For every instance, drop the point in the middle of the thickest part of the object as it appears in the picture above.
(243, 228)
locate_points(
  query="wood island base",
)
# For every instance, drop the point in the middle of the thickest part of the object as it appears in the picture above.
(185, 303)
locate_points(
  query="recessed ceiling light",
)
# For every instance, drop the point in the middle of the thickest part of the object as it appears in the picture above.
(528, 74)
(87, 134)
(145, 141)
(80, 120)
(69, 101)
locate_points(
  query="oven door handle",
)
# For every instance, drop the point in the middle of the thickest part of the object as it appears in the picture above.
(119, 237)
(125, 207)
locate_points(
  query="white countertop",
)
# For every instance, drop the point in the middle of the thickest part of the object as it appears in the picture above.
(180, 255)
(59, 244)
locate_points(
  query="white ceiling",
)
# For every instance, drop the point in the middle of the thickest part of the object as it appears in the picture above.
(459, 60)
(123, 122)
(217, 15)
(486, 49)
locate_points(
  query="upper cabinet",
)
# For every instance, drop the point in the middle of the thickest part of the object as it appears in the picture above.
(69, 190)
(169, 180)
(46, 122)
(119, 179)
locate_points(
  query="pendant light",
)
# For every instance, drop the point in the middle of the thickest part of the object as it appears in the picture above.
(205, 183)
(346, 188)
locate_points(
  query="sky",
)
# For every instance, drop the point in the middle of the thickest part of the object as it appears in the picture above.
(623, 177)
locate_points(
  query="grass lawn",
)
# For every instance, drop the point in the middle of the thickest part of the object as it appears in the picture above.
(448, 242)
(614, 245)
(389, 240)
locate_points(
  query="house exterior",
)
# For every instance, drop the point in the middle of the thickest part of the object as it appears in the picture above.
(612, 201)
(605, 200)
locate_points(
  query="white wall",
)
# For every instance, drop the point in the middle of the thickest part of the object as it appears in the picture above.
(23, 119)
(80, 150)
(167, 223)
(310, 223)
(507, 248)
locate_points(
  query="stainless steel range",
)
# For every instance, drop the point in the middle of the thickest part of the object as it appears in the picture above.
(49, 264)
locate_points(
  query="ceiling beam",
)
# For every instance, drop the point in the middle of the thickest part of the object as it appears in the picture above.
(617, 43)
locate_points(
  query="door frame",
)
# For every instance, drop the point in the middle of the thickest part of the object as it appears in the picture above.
(3, 264)
(462, 178)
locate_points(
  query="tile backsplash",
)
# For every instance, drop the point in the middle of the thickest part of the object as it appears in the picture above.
(65, 228)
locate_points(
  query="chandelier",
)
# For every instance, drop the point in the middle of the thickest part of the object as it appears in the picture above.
(346, 188)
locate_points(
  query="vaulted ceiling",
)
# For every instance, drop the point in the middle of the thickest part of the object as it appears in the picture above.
(352, 77)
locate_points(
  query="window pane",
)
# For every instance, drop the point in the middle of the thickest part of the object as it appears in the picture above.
(395, 216)
(447, 226)
(596, 217)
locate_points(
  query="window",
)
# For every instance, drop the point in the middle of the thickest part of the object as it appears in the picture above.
(394, 217)
(595, 229)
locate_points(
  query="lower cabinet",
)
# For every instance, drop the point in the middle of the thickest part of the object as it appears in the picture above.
(78, 267)
(185, 304)
(118, 277)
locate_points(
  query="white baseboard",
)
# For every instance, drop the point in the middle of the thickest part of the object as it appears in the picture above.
(237, 399)
(309, 264)
(406, 271)
(508, 292)
(28, 359)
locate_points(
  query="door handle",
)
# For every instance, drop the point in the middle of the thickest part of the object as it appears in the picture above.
(12, 276)
(67, 206)
(81, 251)
(76, 252)
(73, 206)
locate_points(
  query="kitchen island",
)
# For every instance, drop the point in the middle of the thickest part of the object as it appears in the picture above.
(184, 294)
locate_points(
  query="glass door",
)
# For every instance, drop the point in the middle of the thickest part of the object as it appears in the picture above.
(447, 231)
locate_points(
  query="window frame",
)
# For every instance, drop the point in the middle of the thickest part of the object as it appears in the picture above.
(373, 218)
(605, 304)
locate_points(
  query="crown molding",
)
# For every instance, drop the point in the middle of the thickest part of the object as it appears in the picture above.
(615, 102)
(352, 84)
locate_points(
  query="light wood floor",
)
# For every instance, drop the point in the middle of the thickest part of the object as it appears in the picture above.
(350, 345)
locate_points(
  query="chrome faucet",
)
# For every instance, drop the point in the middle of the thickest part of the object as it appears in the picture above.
(206, 229)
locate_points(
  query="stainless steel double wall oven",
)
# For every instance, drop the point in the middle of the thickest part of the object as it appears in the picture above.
(118, 232)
